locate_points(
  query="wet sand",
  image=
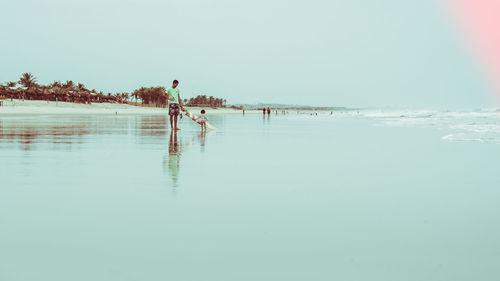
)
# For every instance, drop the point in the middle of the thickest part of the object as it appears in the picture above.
(294, 197)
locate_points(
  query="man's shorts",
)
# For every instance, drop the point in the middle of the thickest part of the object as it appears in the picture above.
(173, 109)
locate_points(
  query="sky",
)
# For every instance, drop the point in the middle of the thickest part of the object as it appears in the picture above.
(354, 53)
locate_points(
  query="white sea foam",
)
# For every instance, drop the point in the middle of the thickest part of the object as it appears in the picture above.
(481, 125)
(468, 137)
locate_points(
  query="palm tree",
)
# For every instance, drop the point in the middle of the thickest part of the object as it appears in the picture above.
(135, 94)
(11, 84)
(69, 84)
(143, 94)
(27, 80)
(81, 87)
(125, 96)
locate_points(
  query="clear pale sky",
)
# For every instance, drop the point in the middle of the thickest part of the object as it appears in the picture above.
(354, 53)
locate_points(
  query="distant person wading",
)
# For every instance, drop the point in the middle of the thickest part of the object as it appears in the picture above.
(175, 103)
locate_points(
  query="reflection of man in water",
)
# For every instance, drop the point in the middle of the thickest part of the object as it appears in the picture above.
(174, 154)
(175, 147)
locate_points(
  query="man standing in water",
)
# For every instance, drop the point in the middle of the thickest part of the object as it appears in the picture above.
(175, 103)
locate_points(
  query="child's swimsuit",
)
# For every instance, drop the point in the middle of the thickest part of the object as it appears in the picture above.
(202, 119)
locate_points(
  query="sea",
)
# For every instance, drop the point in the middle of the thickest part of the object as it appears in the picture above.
(361, 194)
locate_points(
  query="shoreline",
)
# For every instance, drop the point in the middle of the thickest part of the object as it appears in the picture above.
(34, 107)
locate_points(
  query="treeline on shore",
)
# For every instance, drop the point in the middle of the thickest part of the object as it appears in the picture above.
(27, 88)
(156, 96)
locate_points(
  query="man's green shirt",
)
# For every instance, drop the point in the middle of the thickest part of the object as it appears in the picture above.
(173, 95)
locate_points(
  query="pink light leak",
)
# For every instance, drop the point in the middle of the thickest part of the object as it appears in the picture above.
(481, 21)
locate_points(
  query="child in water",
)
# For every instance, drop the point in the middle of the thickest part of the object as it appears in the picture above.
(203, 120)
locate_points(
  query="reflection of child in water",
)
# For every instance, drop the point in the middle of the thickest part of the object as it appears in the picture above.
(203, 120)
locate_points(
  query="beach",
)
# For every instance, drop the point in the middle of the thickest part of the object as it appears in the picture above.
(21, 107)
(462, 125)
(250, 140)
(374, 195)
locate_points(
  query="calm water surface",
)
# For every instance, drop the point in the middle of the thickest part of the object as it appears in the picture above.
(294, 197)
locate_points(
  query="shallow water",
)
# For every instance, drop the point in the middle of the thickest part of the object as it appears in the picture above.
(353, 196)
